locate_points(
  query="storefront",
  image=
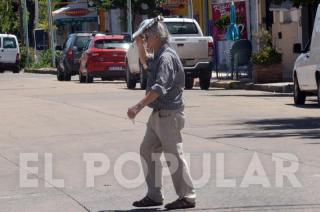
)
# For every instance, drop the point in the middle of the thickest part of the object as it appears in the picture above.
(75, 17)
(220, 14)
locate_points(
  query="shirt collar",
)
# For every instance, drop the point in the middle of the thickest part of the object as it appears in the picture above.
(159, 52)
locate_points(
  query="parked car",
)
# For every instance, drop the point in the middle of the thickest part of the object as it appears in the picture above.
(9, 53)
(104, 57)
(68, 63)
(306, 73)
(194, 49)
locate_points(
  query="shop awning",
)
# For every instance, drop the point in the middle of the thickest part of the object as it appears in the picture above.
(74, 13)
(284, 6)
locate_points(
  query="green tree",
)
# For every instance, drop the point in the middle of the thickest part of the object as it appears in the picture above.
(9, 21)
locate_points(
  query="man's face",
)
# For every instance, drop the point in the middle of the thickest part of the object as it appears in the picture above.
(152, 40)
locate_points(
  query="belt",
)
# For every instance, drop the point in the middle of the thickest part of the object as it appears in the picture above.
(157, 110)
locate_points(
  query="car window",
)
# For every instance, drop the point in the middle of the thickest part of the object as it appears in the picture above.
(68, 43)
(9, 43)
(81, 42)
(181, 28)
(87, 45)
(111, 44)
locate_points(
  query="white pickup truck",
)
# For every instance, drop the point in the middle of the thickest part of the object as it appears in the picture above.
(194, 49)
(306, 72)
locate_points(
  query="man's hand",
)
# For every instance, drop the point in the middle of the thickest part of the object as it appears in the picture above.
(142, 51)
(139, 41)
(150, 97)
(134, 110)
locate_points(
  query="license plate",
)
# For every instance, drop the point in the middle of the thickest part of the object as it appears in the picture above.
(115, 68)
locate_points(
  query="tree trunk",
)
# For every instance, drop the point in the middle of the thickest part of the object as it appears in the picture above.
(21, 21)
(31, 10)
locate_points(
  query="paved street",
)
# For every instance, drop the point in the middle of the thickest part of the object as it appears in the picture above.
(40, 115)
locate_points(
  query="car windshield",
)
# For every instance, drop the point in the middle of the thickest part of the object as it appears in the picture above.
(111, 44)
(9, 43)
(81, 42)
(182, 28)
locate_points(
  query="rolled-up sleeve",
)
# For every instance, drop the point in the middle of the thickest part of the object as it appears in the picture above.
(165, 77)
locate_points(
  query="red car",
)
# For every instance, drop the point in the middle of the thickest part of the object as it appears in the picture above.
(104, 58)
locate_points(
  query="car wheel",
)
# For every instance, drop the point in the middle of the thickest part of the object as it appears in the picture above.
(189, 81)
(82, 79)
(89, 79)
(130, 80)
(298, 95)
(16, 69)
(60, 75)
(143, 78)
(204, 79)
(67, 77)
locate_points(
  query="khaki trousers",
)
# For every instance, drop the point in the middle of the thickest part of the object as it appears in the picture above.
(163, 135)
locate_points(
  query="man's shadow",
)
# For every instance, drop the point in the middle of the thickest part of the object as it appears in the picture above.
(136, 210)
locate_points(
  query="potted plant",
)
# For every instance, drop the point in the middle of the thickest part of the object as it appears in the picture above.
(267, 65)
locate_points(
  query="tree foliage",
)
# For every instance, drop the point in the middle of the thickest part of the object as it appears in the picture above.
(9, 21)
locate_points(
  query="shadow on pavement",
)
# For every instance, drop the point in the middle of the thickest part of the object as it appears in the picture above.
(286, 207)
(253, 95)
(136, 210)
(305, 127)
(306, 106)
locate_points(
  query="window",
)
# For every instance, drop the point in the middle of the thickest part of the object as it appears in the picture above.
(0, 42)
(182, 28)
(68, 43)
(111, 44)
(88, 44)
(9, 43)
(81, 42)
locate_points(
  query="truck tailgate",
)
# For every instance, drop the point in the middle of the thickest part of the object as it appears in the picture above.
(191, 47)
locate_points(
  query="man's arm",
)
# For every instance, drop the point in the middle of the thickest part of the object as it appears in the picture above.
(143, 55)
(150, 97)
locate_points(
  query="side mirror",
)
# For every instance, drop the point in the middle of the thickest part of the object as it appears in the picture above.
(297, 48)
(59, 48)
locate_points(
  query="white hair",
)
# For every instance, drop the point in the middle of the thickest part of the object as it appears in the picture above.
(160, 29)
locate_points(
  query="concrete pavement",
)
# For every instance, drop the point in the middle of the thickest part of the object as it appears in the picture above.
(41, 115)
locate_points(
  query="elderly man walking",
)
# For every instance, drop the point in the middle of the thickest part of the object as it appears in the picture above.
(165, 86)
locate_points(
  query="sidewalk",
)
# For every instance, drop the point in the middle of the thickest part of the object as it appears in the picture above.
(281, 87)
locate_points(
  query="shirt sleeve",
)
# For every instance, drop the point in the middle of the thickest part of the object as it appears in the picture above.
(165, 77)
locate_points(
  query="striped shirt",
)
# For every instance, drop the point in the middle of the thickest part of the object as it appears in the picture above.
(166, 77)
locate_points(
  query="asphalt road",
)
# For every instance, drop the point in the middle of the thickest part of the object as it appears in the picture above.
(237, 133)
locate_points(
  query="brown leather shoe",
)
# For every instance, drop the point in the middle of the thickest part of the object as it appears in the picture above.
(180, 203)
(146, 202)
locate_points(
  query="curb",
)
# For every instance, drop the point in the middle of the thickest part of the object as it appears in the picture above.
(52, 71)
(286, 87)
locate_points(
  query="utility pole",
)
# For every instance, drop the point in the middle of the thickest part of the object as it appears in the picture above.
(53, 56)
(36, 15)
(26, 33)
(190, 9)
(129, 11)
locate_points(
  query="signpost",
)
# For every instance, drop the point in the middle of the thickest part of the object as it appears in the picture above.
(129, 11)
(190, 9)
(53, 55)
(26, 33)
